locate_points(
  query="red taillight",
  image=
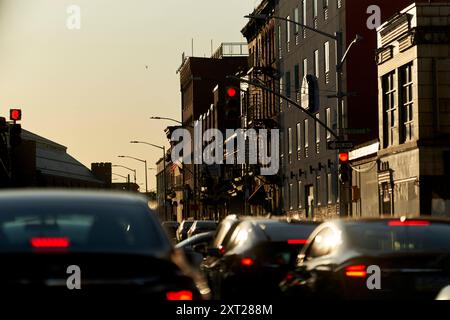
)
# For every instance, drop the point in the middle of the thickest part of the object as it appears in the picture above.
(50, 243)
(297, 241)
(357, 271)
(221, 250)
(179, 295)
(408, 223)
(247, 262)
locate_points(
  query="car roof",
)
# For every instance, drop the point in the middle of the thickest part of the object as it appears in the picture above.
(388, 218)
(73, 196)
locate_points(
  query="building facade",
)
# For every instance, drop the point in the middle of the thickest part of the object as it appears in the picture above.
(308, 63)
(198, 78)
(414, 111)
(261, 108)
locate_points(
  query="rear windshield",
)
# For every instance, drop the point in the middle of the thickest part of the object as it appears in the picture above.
(286, 231)
(382, 237)
(206, 225)
(81, 228)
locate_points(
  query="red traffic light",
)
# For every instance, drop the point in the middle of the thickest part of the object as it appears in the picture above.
(231, 92)
(343, 157)
(15, 114)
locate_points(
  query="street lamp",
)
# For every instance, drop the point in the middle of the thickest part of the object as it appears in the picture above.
(173, 120)
(145, 169)
(163, 148)
(120, 166)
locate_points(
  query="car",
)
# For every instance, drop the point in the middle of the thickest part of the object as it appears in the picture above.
(201, 226)
(182, 230)
(171, 228)
(387, 258)
(256, 256)
(114, 240)
(195, 247)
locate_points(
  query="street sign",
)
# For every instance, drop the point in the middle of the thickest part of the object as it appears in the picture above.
(340, 145)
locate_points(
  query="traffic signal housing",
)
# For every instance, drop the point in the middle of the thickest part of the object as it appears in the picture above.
(344, 167)
(232, 108)
(15, 115)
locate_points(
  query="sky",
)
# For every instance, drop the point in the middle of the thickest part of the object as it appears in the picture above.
(90, 89)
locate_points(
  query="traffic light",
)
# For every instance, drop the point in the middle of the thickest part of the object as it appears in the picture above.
(15, 115)
(232, 107)
(344, 167)
(15, 135)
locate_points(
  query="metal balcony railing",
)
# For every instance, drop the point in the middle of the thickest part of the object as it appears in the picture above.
(231, 49)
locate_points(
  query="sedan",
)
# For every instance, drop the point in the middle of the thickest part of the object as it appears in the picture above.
(391, 258)
(255, 257)
(111, 242)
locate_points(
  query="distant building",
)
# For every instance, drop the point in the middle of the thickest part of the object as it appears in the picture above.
(414, 111)
(198, 78)
(40, 162)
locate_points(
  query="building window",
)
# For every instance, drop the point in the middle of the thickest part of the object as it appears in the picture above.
(317, 129)
(299, 194)
(280, 50)
(305, 67)
(299, 140)
(327, 60)
(288, 33)
(288, 84)
(291, 196)
(316, 63)
(306, 136)
(329, 188)
(304, 17)
(290, 148)
(389, 108)
(281, 91)
(407, 104)
(328, 122)
(296, 19)
(318, 188)
(297, 81)
(315, 9)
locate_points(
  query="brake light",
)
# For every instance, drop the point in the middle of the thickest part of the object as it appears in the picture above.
(408, 223)
(221, 250)
(50, 243)
(247, 262)
(356, 271)
(179, 295)
(297, 241)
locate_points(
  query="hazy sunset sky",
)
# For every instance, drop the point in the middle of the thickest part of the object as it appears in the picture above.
(89, 89)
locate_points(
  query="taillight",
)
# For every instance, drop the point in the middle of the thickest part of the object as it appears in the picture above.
(247, 262)
(408, 223)
(50, 243)
(179, 295)
(221, 250)
(297, 241)
(356, 271)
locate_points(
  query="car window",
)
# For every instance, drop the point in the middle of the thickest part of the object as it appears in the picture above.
(81, 229)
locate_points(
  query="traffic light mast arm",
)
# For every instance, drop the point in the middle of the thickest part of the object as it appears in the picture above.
(312, 116)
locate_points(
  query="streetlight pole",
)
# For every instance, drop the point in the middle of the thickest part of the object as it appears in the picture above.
(132, 170)
(163, 148)
(145, 169)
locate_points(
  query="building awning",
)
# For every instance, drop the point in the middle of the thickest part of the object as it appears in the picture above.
(258, 197)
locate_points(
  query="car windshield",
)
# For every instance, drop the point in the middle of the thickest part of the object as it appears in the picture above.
(80, 228)
(380, 236)
(288, 231)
